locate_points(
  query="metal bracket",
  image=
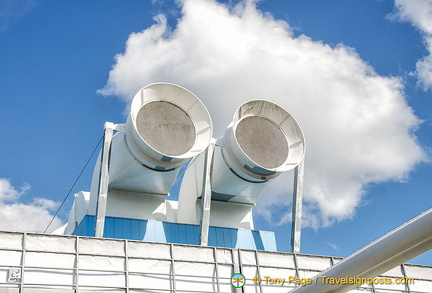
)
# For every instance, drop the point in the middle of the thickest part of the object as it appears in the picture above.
(120, 127)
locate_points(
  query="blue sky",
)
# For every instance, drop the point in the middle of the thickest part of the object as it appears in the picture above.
(355, 74)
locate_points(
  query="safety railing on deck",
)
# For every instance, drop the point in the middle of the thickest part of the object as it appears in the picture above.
(31, 262)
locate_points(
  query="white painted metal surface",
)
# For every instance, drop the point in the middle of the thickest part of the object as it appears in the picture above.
(103, 180)
(36, 263)
(206, 197)
(400, 245)
(167, 125)
(297, 205)
(263, 141)
(78, 211)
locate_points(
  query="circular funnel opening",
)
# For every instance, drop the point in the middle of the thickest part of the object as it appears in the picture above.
(166, 128)
(262, 141)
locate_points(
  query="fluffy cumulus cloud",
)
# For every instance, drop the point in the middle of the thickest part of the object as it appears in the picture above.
(358, 125)
(419, 14)
(18, 216)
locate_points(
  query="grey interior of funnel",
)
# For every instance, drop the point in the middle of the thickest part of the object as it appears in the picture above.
(262, 141)
(166, 128)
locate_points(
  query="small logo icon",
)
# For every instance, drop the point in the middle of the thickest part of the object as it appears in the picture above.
(238, 280)
(256, 280)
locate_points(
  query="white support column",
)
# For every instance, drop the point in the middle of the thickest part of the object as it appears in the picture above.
(206, 195)
(297, 207)
(103, 180)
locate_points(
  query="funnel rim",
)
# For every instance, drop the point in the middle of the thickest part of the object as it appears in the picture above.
(238, 117)
(187, 102)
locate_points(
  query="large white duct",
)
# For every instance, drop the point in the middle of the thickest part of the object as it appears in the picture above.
(167, 125)
(263, 141)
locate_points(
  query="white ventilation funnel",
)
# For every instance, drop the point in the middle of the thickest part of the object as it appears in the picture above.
(167, 125)
(263, 141)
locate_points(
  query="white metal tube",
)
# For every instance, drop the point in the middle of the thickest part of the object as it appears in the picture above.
(398, 246)
(103, 181)
(297, 207)
(262, 141)
(206, 196)
(167, 126)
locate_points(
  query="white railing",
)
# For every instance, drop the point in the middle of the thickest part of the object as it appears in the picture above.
(31, 262)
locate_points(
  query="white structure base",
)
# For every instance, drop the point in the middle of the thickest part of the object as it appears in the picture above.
(35, 263)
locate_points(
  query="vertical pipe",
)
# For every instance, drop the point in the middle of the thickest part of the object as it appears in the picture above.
(126, 267)
(77, 263)
(216, 264)
(206, 195)
(103, 181)
(297, 207)
(237, 262)
(173, 274)
(23, 261)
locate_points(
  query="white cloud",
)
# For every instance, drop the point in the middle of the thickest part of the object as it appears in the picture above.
(8, 193)
(332, 245)
(12, 11)
(18, 216)
(358, 126)
(419, 14)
